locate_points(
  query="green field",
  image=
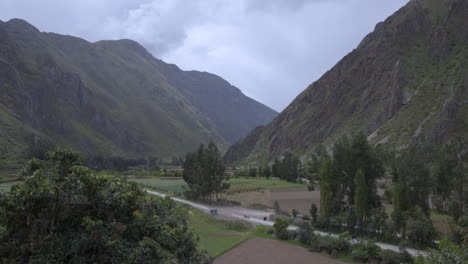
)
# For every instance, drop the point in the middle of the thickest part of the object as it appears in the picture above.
(217, 236)
(174, 186)
(5, 187)
(237, 184)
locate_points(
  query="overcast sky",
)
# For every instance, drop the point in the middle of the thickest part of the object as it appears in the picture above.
(270, 49)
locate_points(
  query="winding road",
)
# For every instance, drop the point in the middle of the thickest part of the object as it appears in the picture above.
(257, 217)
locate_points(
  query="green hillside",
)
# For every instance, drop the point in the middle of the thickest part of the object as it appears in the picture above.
(107, 98)
(405, 83)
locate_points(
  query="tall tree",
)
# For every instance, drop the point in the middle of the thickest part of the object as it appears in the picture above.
(327, 188)
(361, 198)
(204, 172)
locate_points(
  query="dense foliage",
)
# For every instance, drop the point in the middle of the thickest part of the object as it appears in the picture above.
(204, 172)
(287, 168)
(66, 213)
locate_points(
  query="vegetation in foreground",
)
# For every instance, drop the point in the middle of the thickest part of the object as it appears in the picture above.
(66, 213)
(218, 236)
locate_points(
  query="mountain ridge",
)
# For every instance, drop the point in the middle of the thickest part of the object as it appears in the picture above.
(404, 83)
(103, 98)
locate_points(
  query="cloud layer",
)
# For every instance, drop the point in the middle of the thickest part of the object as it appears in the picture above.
(270, 49)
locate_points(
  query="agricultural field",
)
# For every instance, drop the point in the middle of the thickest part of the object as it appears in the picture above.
(238, 185)
(173, 185)
(217, 236)
(261, 250)
(288, 199)
(5, 187)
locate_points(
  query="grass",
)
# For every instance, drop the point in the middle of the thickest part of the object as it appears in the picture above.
(237, 184)
(5, 188)
(217, 236)
(173, 186)
(442, 223)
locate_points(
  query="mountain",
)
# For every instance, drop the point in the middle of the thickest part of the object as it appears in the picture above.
(405, 83)
(111, 98)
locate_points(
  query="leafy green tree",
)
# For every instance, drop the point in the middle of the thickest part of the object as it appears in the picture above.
(276, 207)
(361, 198)
(66, 213)
(253, 172)
(313, 213)
(281, 228)
(204, 172)
(294, 213)
(354, 155)
(327, 188)
(267, 171)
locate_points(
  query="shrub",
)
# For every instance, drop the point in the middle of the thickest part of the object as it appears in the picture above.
(447, 253)
(365, 252)
(392, 257)
(305, 233)
(66, 213)
(421, 231)
(281, 228)
(328, 244)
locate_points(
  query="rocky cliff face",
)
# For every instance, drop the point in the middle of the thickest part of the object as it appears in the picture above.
(110, 98)
(406, 82)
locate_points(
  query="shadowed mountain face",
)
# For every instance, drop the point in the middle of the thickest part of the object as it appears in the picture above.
(406, 82)
(111, 98)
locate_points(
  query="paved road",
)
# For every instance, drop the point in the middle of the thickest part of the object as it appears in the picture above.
(257, 216)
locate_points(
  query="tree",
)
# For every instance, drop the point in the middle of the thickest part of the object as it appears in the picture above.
(66, 213)
(327, 188)
(361, 201)
(313, 213)
(294, 213)
(354, 155)
(204, 172)
(267, 171)
(276, 207)
(253, 172)
(281, 228)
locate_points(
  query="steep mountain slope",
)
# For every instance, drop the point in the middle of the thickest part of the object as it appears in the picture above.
(108, 98)
(233, 114)
(406, 82)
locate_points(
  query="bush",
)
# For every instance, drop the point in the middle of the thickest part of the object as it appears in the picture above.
(281, 228)
(328, 244)
(421, 232)
(65, 213)
(392, 257)
(305, 233)
(365, 252)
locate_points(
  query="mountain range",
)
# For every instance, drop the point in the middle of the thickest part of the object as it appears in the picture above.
(405, 83)
(111, 98)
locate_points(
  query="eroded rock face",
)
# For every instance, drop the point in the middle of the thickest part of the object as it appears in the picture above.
(399, 76)
(111, 98)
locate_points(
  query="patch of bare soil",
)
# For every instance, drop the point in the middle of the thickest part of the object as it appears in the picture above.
(288, 199)
(299, 199)
(261, 250)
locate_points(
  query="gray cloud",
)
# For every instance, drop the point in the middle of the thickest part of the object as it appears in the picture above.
(270, 49)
